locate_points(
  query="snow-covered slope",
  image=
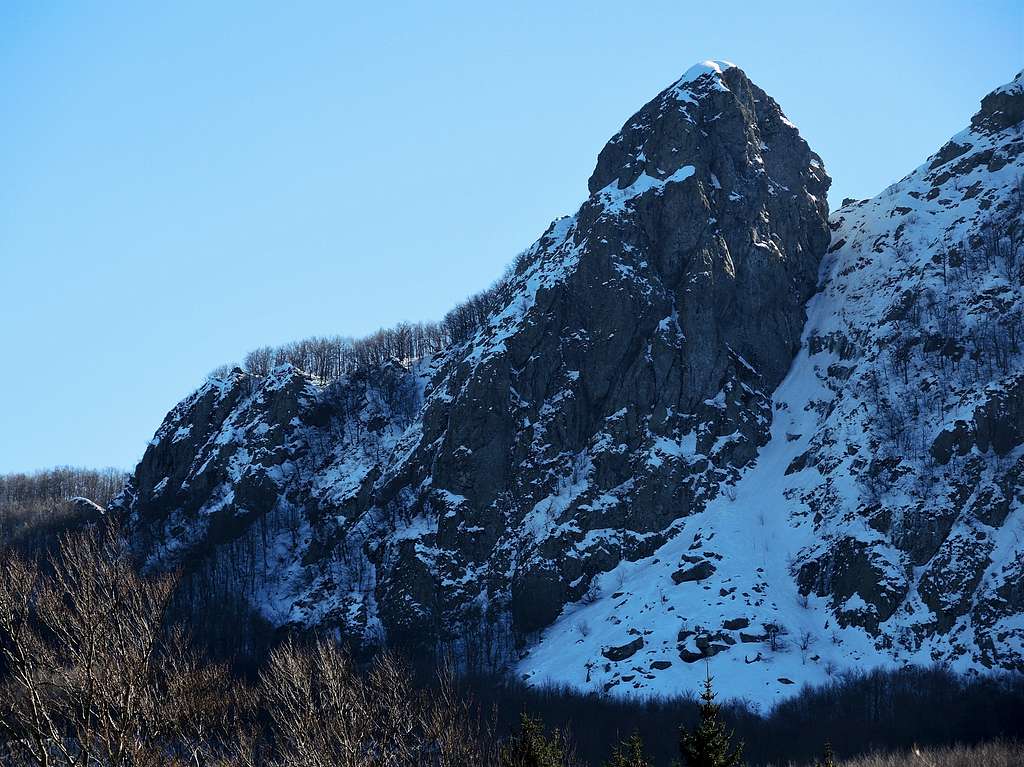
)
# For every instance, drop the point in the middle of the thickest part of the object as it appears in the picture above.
(883, 521)
(654, 450)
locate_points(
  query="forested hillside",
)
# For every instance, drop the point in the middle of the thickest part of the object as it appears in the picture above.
(35, 507)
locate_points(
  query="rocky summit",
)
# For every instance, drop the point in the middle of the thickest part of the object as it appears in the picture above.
(699, 420)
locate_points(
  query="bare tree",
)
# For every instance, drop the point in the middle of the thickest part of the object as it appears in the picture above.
(93, 676)
(325, 714)
(35, 507)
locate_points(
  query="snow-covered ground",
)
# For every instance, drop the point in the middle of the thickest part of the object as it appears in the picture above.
(889, 255)
(751, 537)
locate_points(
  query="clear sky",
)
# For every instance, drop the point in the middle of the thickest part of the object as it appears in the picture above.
(181, 182)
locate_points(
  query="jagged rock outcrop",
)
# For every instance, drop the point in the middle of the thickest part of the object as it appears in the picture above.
(882, 522)
(661, 427)
(627, 374)
(87, 509)
(924, 297)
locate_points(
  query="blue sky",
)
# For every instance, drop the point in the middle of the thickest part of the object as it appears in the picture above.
(185, 181)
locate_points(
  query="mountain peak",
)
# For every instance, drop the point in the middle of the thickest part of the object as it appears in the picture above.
(648, 444)
(706, 67)
(622, 373)
(1002, 108)
(713, 103)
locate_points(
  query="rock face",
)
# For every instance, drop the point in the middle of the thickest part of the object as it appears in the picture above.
(882, 521)
(651, 430)
(622, 652)
(920, 450)
(627, 374)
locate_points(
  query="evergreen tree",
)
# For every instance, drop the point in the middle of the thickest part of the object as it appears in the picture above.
(827, 757)
(629, 753)
(529, 746)
(709, 745)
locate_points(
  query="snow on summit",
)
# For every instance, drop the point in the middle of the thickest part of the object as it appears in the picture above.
(708, 66)
(681, 90)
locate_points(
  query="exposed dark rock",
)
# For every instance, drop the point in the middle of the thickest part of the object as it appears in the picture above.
(799, 463)
(622, 379)
(623, 651)
(1003, 108)
(696, 573)
(948, 583)
(853, 568)
(998, 424)
(87, 510)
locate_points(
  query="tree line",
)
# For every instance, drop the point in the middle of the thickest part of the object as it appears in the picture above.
(36, 506)
(93, 673)
(96, 670)
(331, 357)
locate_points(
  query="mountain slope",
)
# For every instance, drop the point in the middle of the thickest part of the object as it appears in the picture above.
(882, 522)
(653, 445)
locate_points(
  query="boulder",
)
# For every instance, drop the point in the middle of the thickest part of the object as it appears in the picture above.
(624, 651)
(734, 624)
(696, 573)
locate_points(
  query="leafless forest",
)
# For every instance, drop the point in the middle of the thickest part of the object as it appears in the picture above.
(99, 665)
